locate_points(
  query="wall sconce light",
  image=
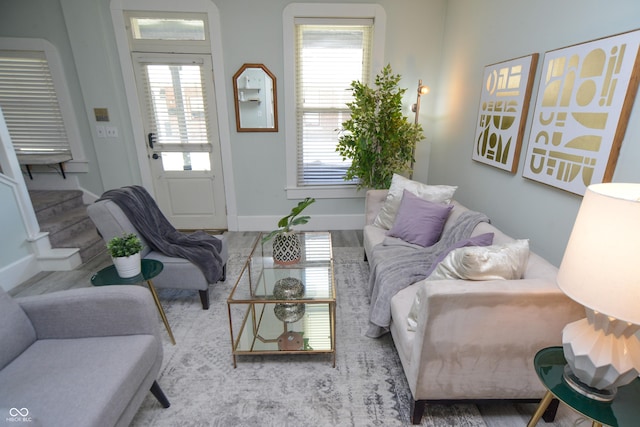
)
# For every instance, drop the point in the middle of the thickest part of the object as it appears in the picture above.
(422, 90)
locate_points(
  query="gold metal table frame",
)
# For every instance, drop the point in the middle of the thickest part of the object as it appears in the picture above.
(254, 325)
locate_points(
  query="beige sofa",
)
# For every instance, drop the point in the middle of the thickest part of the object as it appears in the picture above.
(475, 340)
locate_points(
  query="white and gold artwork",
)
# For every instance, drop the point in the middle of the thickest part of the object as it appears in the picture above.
(504, 103)
(584, 99)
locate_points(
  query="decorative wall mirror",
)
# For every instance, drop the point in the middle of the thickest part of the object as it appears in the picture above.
(254, 91)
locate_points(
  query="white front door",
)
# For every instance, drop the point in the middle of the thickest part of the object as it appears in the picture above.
(178, 107)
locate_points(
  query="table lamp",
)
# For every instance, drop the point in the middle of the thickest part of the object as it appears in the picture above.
(601, 270)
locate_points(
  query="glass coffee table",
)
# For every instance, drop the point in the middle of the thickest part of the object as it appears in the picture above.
(291, 309)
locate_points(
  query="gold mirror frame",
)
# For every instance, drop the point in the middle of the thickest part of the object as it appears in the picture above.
(254, 91)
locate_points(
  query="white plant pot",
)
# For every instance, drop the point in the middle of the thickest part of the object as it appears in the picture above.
(128, 266)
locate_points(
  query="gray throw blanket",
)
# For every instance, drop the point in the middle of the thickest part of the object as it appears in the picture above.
(200, 248)
(396, 265)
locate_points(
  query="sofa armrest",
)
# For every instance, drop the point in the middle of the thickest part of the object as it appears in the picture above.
(473, 329)
(92, 312)
(373, 202)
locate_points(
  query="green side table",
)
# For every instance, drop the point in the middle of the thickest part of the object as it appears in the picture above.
(622, 411)
(150, 269)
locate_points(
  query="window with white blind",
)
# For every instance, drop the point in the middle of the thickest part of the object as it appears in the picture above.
(322, 57)
(328, 58)
(176, 112)
(30, 104)
(36, 104)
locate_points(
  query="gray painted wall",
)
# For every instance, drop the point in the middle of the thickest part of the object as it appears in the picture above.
(251, 33)
(478, 33)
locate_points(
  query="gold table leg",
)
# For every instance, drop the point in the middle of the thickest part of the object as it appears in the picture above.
(161, 311)
(548, 397)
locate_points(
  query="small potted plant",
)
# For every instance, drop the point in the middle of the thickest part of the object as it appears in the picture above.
(286, 244)
(125, 253)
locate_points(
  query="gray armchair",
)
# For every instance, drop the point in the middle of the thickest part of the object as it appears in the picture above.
(85, 356)
(178, 273)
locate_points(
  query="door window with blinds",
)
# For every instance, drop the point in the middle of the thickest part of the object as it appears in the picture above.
(176, 113)
(30, 104)
(329, 55)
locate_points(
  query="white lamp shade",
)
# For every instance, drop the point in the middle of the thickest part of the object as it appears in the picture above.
(601, 265)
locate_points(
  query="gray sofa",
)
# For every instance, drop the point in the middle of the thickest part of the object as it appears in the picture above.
(474, 340)
(82, 357)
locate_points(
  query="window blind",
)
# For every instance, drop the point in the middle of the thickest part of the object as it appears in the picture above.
(328, 58)
(30, 104)
(176, 105)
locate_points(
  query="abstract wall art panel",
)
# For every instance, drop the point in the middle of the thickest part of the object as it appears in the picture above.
(582, 108)
(504, 102)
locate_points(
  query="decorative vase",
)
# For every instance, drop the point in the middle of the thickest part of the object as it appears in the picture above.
(289, 313)
(129, 266)
(286, 248)
(288, 288)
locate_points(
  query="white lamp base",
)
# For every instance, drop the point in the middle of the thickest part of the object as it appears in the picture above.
(603, 354)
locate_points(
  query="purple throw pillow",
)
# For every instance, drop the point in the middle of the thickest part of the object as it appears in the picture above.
(419, 221)
(485, 239)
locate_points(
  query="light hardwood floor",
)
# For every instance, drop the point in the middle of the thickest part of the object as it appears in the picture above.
(59, 280)
(498, 415)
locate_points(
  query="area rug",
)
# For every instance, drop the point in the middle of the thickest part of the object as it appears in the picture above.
(366, 388)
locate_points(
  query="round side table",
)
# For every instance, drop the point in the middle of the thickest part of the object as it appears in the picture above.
(150, 269)
(622, 411)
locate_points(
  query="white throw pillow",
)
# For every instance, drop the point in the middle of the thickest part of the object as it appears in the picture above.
(496, 262)
(507, 261)
(432, 193)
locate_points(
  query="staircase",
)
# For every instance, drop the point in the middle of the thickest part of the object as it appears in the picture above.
(64, 216)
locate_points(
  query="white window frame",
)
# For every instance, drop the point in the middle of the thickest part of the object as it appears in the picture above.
(303, 10)
(79, 162)
(163, 46)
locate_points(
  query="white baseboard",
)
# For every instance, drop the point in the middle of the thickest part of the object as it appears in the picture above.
(18, 272)
(317, 223)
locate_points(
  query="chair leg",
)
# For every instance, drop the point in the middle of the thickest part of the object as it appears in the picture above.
(204, 298)
(417, 411)
(224, 273)
(159, 394)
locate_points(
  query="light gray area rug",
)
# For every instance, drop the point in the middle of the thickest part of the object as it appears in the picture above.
(366, 388)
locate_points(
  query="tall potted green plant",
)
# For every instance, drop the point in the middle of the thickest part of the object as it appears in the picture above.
(378, 138)
(286, 244)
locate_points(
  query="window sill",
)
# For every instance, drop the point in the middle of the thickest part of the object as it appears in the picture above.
(325, 192)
